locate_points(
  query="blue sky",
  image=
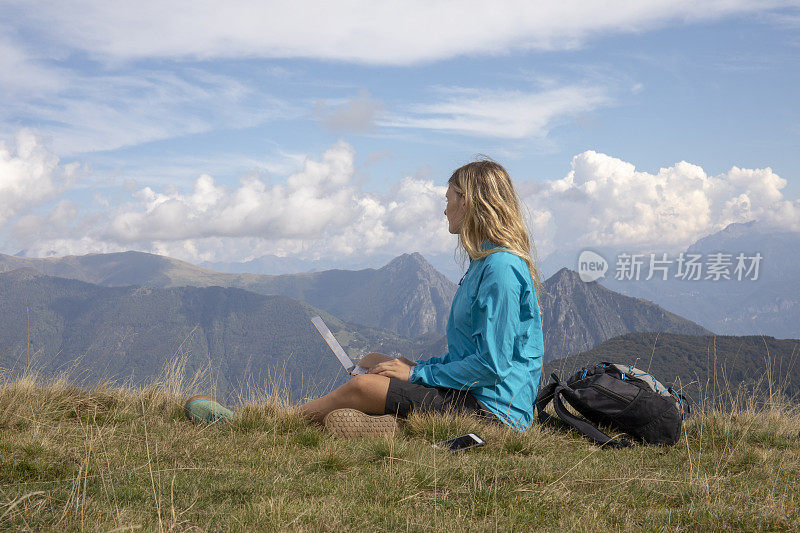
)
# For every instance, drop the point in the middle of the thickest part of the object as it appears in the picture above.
(324, 131)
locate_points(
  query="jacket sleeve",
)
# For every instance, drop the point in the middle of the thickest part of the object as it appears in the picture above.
(435, 360)
(495, 317)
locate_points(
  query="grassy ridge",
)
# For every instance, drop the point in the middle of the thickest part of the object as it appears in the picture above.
(124, 459)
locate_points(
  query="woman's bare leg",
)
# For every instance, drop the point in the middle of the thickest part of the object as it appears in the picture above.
(366, 392)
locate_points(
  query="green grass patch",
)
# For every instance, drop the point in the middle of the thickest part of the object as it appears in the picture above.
(119, 459)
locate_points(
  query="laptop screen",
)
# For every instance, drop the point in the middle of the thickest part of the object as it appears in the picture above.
(347, 363)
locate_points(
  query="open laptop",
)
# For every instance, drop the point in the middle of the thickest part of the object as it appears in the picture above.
(364, 364)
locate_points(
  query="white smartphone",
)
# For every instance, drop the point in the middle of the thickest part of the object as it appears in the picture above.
(464, 442)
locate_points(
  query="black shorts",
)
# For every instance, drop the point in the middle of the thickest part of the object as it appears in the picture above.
(404, 397)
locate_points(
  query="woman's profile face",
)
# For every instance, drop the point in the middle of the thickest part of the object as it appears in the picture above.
(456, 207)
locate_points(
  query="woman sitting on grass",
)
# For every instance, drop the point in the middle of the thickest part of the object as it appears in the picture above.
(494, 332)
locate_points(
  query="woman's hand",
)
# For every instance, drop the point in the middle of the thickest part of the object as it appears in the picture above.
(392, 369)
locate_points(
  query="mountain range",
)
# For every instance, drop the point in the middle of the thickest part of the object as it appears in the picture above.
(407, 296)
(126, 316)
(93, 333)
(275, 265)
(123, 316)
(768, 304)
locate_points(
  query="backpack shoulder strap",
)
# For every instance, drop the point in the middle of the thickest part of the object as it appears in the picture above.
(553, 393)
(544, 397)
(582, 426)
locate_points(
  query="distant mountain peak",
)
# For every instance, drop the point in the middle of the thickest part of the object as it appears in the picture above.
(565, 276)
(414, 260)
(413, 256)
(732, 230)
(564, 271)
(577, 315)
(736, 225)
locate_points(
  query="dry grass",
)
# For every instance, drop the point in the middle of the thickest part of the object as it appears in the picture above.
(119, 459)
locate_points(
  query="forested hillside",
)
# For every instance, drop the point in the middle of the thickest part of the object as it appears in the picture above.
(94, 333)
(407, 296)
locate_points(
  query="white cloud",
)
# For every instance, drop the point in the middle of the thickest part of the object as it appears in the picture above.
(21, 75)
(29, 175)
(85, 113)
(356, 114)
(320, 208)
(605, 201)
(44, 70)
(321, 211)
(503, 114)
(392, 32)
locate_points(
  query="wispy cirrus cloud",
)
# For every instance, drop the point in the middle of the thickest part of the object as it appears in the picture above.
(102, 111)
(22, 75)
(393, 32)
(87, 110)
(500, 114)
(146, 79)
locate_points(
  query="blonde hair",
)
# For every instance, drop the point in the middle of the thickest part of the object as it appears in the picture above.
(493, 213)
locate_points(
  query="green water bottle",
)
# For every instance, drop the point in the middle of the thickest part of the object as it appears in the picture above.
(200, 408)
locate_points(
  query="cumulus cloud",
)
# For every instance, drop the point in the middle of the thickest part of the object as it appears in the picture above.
(503, 114)
(29, 175)
(317, 196)
(321, 211)
(605, 201)
(393, 32)
(317, 210)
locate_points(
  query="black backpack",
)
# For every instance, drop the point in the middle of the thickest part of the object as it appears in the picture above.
(619, 396)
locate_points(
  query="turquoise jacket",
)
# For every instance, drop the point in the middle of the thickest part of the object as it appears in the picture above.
(494, 340)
